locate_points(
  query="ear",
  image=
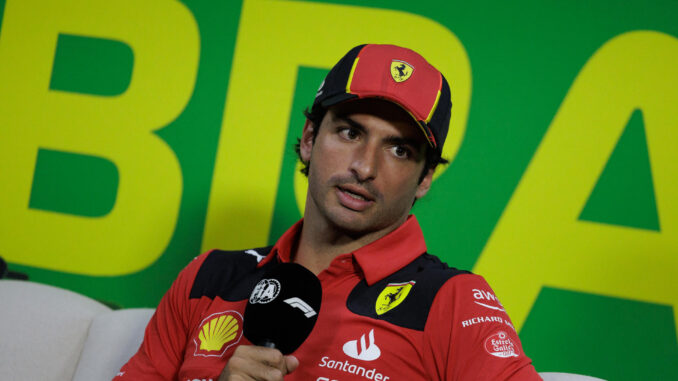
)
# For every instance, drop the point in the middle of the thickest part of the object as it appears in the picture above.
(306, 141)
(425, 184)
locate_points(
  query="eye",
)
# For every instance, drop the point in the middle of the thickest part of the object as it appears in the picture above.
(349, 133)
(401, 152)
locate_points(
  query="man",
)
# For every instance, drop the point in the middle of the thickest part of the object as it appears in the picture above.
(390, 311)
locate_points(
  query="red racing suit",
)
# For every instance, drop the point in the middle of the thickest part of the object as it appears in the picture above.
(389, 312)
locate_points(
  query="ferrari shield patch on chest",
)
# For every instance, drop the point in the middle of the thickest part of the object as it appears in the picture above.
(392, 296)
(401, 71)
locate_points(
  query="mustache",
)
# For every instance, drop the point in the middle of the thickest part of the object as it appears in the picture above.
(346, 179)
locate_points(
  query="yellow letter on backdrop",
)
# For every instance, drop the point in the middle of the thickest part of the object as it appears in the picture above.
(164, 39)
(274, 39)
(539, 240)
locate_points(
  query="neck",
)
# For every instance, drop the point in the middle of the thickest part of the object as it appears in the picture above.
(321, 242)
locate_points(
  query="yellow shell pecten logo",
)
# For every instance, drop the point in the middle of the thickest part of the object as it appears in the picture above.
(401, 71)
(217, 333)
(391, 296)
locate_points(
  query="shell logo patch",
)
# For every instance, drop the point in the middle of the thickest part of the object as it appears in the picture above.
(401, 71)
(392, 296)
(217, 333)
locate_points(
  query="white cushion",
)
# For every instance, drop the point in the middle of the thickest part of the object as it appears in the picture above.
(42, 330)
(113, 338)
(551, 376)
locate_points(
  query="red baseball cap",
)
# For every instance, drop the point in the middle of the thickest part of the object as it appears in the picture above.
(397, 74)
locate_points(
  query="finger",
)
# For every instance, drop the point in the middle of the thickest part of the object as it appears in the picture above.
(269, 356)
(291, 363)
(255, 363)
(246, 369)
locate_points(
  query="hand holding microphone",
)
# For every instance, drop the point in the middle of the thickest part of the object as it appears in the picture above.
(280, 314)
(252, 362)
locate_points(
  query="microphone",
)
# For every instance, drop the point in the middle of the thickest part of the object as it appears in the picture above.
(283, 308)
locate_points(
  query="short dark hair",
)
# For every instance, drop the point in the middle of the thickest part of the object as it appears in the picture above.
(315, 116)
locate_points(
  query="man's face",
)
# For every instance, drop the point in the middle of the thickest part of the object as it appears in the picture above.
(365, 166)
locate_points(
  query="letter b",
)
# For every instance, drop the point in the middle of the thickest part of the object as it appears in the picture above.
(119, 129)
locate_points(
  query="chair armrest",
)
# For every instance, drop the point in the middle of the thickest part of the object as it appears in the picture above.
(113, 338)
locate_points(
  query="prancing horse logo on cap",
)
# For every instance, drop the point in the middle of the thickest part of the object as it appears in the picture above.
(401, 71)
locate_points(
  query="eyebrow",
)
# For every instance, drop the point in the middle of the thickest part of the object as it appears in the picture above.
(351, 122)
(391, 139)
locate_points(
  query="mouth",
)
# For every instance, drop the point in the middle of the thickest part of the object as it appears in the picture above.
(354, 198)
(356, 193)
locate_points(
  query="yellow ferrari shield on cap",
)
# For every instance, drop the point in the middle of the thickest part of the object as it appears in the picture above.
(401, 71)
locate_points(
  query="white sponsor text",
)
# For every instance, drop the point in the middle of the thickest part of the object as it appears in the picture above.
(345, 366)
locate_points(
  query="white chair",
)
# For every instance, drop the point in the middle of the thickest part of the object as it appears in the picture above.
(48, 333)
(113, 338)
(551, 376)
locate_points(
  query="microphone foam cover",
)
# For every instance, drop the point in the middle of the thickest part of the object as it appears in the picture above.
(283, 307)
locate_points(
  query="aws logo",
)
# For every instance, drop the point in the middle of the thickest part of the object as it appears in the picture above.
(487, 300)
(217, 333)
(392, 296)
(401, 71)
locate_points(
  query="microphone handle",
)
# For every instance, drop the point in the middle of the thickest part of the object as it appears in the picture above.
(268, 344)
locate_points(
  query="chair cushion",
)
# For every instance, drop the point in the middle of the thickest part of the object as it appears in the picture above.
(552, 376)
(113, 338)
(42, 330)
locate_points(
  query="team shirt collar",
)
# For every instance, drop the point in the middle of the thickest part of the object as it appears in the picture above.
(377, 260)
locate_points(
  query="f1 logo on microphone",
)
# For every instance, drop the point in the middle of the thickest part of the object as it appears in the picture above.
(324, 379)
(300, 304)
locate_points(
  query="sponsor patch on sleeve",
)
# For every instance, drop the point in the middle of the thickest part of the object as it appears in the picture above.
(487, 299)
(486, 319)
(499, 344)
(217, 333)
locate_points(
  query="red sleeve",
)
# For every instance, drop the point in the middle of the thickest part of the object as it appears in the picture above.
(162, 351)
(469, 336)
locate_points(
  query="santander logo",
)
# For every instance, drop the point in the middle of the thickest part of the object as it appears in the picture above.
(367, 350)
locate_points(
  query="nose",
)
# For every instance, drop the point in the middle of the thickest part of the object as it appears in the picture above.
(364, 162)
